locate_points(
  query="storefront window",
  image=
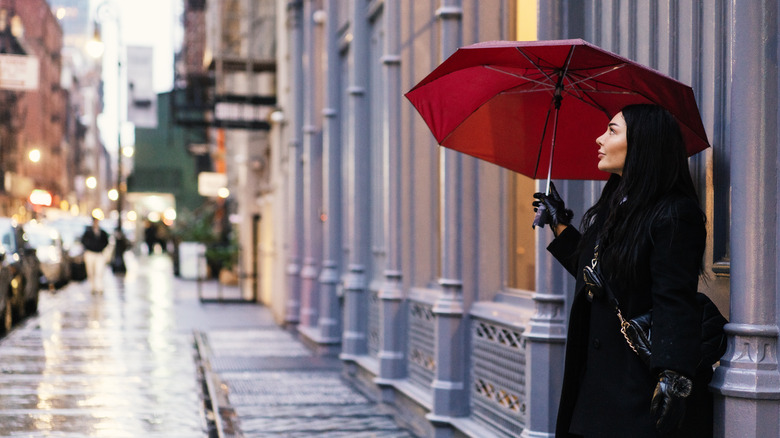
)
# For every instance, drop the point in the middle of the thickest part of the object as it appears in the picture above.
(521, 246)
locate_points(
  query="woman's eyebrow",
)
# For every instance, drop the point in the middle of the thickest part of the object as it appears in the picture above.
(613, 124)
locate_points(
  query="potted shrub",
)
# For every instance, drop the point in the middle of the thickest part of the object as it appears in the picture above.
(193, 234)
(224, 258)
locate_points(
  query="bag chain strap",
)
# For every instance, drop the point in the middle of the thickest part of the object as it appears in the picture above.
(623, 323)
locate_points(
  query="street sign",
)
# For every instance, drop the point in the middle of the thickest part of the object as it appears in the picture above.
(18, 72)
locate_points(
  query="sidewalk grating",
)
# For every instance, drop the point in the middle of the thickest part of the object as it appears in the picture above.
(270, 385)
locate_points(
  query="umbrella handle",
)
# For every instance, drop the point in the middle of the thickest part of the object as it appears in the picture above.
(541, 217)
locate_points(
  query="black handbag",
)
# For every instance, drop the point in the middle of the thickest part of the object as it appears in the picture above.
(637, 330)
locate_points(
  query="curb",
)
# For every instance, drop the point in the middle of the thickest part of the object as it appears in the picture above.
(220, 416)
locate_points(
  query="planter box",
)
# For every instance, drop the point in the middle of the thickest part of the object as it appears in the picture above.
(192, 261)
(228, 277)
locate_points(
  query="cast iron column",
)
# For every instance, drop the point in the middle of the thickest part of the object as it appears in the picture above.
(450, 392)
(312, 174)
(358, 185)
(330, 307)
(546, 333)
(391, 294)
(747, 382)
(295, 184)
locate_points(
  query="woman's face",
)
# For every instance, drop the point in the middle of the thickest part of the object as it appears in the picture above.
(613, 146)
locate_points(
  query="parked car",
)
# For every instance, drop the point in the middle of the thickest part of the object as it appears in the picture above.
(6, 304)
(71, 229)
(53, 258)
(22, 269)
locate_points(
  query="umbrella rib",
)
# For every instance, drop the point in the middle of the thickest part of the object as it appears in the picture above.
(601, 73)
(585, 84)
(558, 96)
(519, 76)
(536, 64)
(533, 90)
(627, 92)
(594, 89)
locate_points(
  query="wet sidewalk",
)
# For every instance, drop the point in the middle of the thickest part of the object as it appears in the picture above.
(114, 364)
(264, 382)
(147, 358)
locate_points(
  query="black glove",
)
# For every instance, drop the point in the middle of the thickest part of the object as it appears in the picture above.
(667, 408)
(550, 209)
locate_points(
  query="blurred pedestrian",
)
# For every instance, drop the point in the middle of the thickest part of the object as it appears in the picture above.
(95, 240)
(163, 234)
(150, 236)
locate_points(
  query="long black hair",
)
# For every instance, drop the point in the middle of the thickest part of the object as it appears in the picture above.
(656, 166)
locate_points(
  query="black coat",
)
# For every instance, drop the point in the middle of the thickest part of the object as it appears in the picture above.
(95, 242)
(606, 387)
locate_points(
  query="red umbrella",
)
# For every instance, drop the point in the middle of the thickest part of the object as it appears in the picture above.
(500, 100)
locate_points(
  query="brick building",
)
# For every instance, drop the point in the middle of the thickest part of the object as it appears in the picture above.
(32, 120)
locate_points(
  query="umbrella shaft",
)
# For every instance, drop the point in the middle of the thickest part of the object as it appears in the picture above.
(552, 149)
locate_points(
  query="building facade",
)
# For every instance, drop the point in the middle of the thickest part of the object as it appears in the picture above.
(85, 153)
(418, 266)
(33, 118)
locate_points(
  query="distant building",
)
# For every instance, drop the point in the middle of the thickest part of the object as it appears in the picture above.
(85, 154)
(141, 98)
(32, 120)
(161, 163)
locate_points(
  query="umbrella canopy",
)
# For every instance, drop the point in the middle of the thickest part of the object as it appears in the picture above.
(499, 101)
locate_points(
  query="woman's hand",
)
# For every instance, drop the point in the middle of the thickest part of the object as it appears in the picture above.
(668, 404)
(551, 210)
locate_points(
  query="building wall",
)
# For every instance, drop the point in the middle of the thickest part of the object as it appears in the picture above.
(141, 98)
(42, 112)
(418, 243)
(82, 83)
(161, 162)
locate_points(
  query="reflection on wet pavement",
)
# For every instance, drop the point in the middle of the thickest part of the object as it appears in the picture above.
(110, 365)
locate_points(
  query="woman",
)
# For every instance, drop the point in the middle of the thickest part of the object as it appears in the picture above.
(650, 234)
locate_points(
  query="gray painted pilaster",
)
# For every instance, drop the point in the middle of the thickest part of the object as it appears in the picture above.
(391, 346)
(358, 186)
(329, 321)
(312, 174)
(450, 390)
(747, 382)
(295, 184)
(545, 339)
(546, 333)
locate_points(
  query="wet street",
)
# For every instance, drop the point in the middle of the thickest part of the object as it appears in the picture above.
(148, 359)
(110, 365)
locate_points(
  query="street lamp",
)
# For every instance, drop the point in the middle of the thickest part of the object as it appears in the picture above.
(34, 155)
(105, 12)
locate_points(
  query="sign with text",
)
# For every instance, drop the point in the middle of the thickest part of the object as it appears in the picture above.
(19, 72)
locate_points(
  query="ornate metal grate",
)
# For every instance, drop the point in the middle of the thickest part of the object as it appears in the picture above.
(422, 362)
(373, 323)
(498, 377)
